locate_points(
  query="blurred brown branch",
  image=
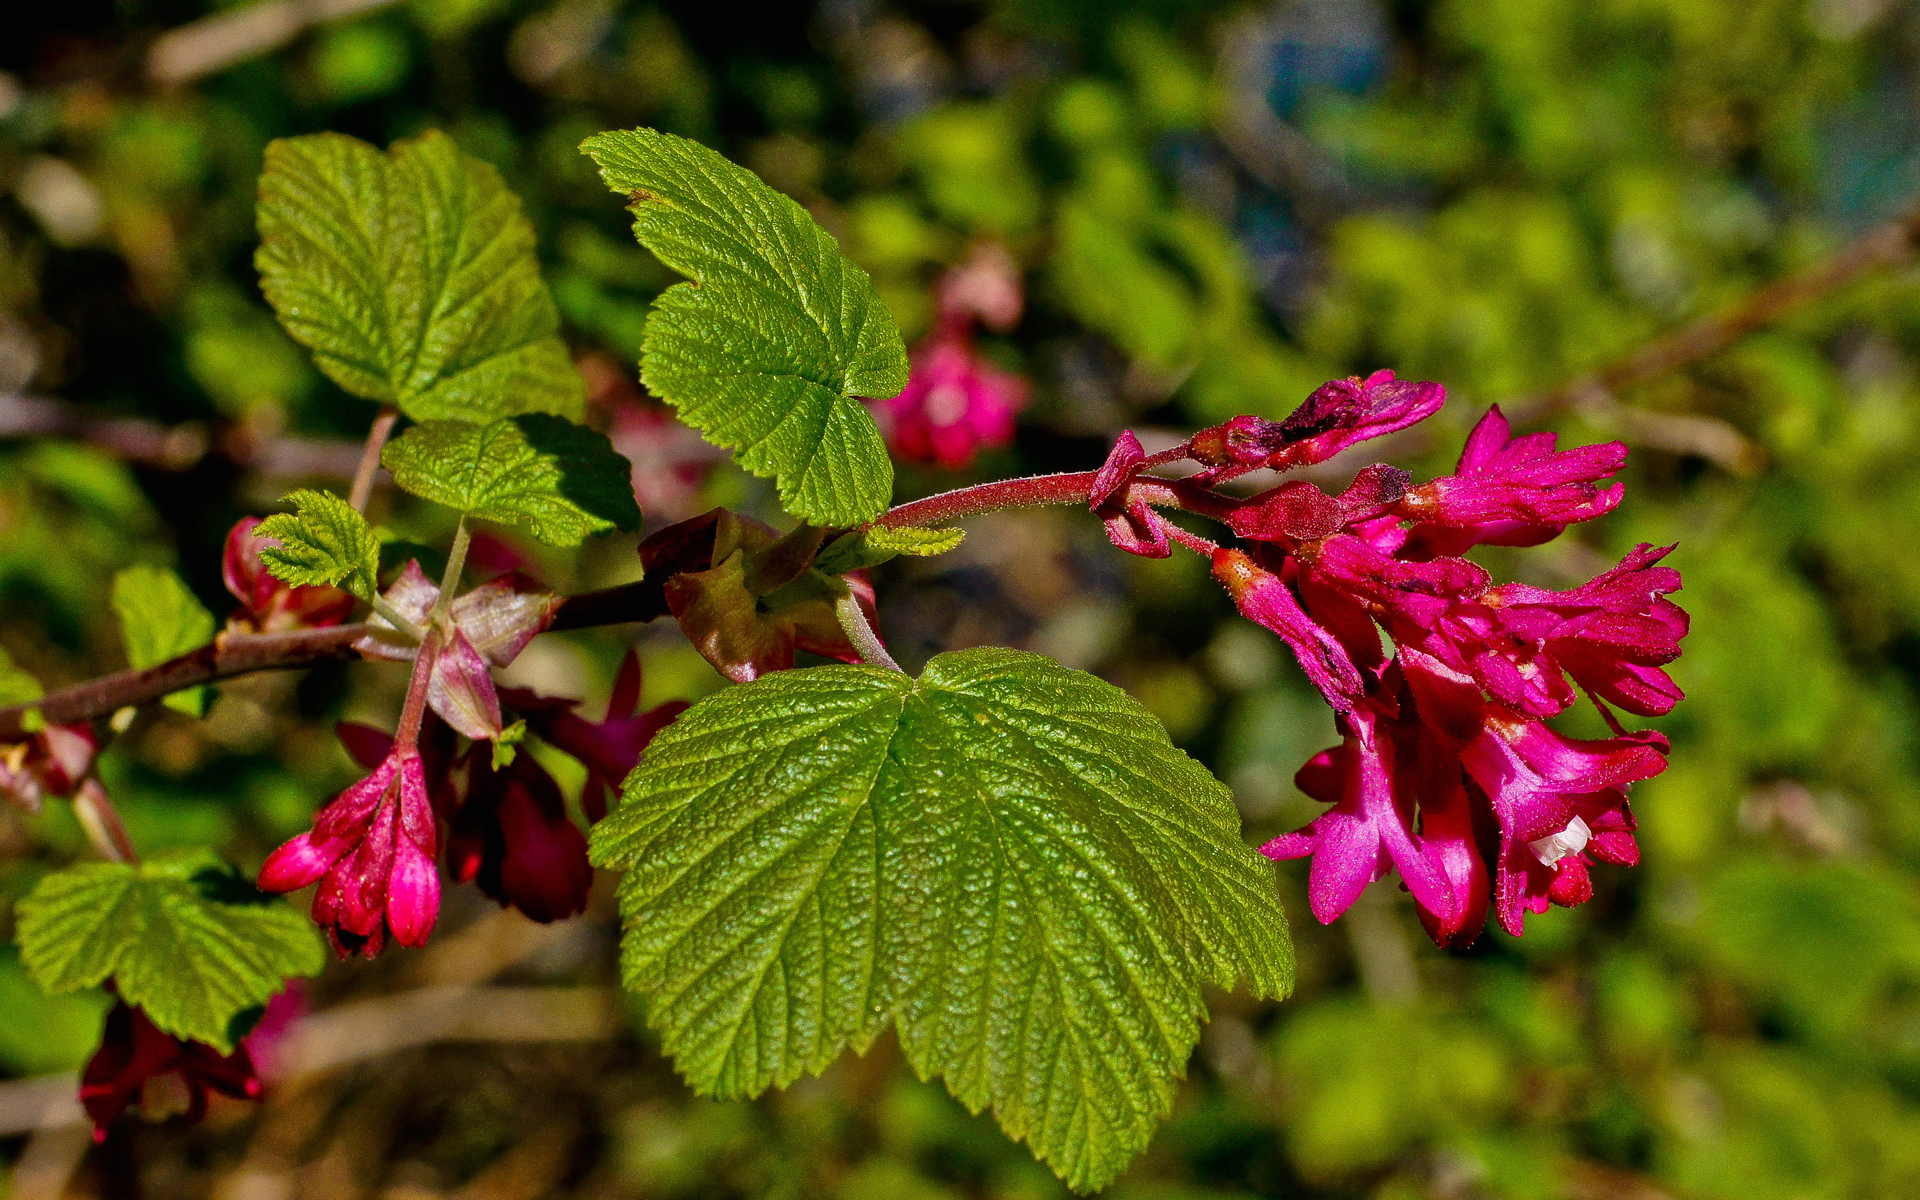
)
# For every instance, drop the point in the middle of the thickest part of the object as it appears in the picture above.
(216, 42)
(177, 447)
(368, 1029)
(1892, 244)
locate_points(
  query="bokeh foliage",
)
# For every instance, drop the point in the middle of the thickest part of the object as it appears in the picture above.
(1217, 206)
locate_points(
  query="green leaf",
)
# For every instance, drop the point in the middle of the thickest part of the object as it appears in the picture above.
(1006, 861)
(411, 275)
(161, 619)
(769, 348)
(876, 544)
(16, 686)
(325, 541)
(562, 481)
(189, 941)
(507, 746)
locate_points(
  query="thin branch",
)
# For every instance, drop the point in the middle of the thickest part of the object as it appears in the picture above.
(370, 457)
(1892, 244)
(216, 42)
(243, 654)
(176, 447)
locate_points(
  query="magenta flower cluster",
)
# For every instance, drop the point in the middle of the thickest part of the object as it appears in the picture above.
(1447, 771)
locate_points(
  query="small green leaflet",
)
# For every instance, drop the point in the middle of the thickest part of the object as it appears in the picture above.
(189, 941)
(160, 619)
(562, 481)
(16, 686)
(877, 543)
(325, 541)
(411, 276)
(768, 349)
(1006, 861)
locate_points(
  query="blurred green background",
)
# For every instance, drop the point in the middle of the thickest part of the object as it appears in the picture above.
(1215, 206)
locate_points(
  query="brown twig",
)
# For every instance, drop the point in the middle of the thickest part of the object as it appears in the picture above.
(216, 42)
(1888, 245)
(242, 654)
(176, 447)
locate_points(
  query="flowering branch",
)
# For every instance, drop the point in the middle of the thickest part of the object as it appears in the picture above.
(233, 654)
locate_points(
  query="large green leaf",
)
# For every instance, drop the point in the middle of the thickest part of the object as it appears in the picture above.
(325, 541)
(192, 943)
(161, 619)
(1004, 860)
(769, 348)
(411, 275)
(561, 480)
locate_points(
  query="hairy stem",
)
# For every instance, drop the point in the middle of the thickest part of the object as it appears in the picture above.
(407, 736)
(865, 639)
(1037, 491)
(1192, 541)
(370, 458)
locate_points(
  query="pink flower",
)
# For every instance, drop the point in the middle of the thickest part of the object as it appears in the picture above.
(955, 404)
(1369, 829)
(372, 852)
(985, 288)
(136, 1063)
(267, 1042)
(1554, 797)
(1511, 491)
(1340, 413)
(1447, 771)
(1612, 634)
(608, 748)
(268, 605)
(1264, 598)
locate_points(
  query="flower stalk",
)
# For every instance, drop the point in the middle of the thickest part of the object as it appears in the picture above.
(370, 457)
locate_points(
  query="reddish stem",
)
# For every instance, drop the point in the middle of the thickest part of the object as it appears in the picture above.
(1037, 491)
(407, 736)
(1192, 541)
